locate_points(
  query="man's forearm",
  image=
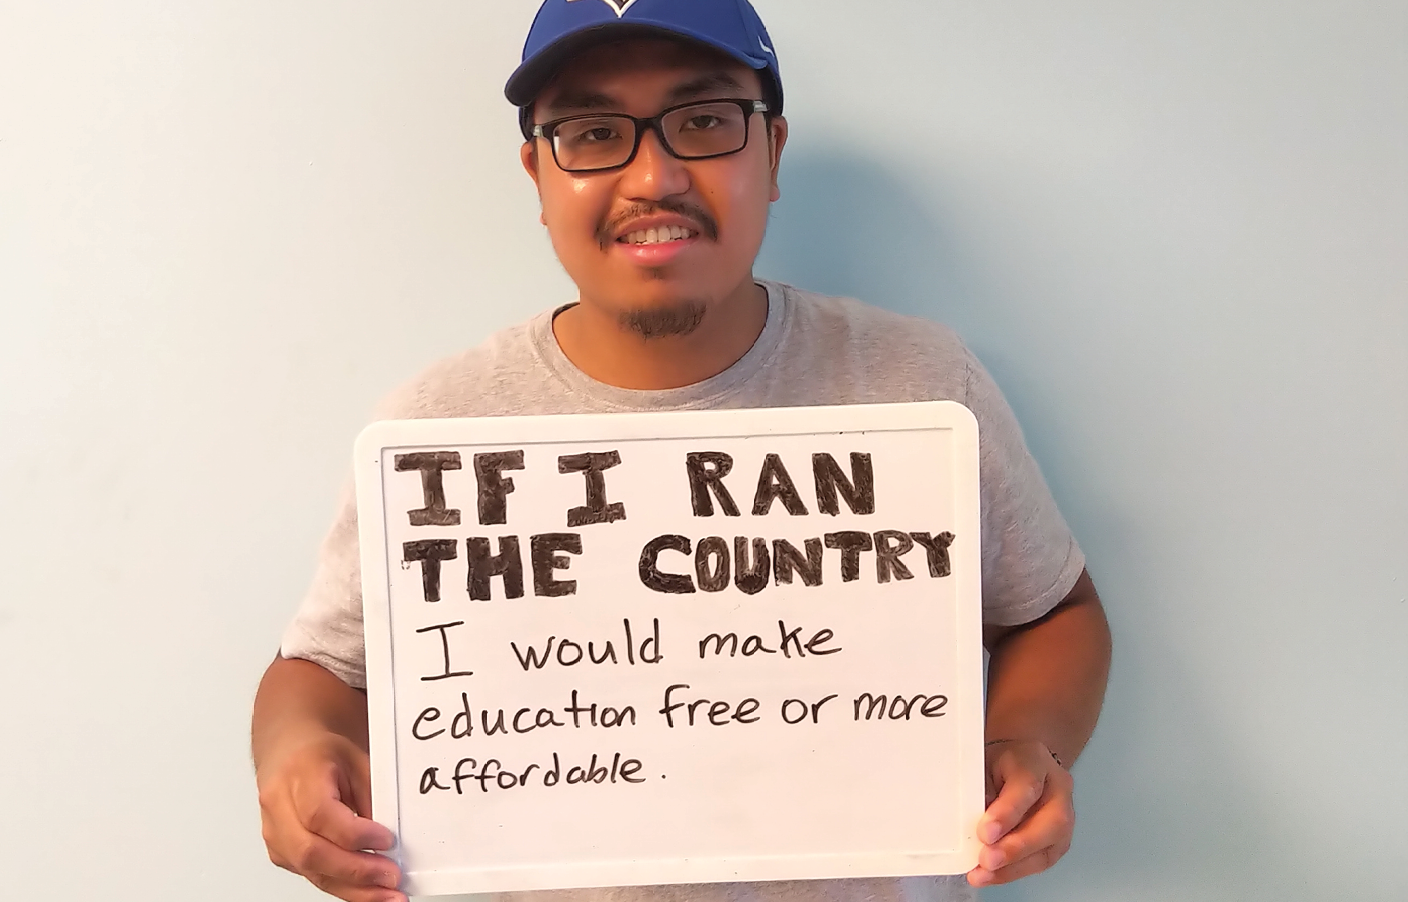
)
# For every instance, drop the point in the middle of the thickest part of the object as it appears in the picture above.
(1046, 680)
(298, 697)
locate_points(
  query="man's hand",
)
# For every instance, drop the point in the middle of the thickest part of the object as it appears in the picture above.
(314, 800)
(310, 761)
(1046, 682)
(1030, 816)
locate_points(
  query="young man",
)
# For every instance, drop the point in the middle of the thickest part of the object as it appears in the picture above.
(654, 135)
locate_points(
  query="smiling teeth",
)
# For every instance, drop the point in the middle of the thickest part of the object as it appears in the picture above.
(659, 235)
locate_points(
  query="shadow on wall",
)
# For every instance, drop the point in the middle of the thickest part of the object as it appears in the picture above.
(847, 226)
(1167, 810)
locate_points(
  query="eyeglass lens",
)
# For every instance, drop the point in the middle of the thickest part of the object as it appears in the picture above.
(603, 142)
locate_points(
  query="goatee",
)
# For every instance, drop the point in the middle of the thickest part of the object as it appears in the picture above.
(664, 322)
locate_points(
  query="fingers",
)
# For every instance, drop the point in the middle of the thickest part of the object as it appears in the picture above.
(311, 829)
(1032, 864)
(1019, 789)
(359, 797)
(358, 893)
(362, 894)
(326, 864)
(1036, 844)
(341, 825)
(329, 849)
(1029, 825)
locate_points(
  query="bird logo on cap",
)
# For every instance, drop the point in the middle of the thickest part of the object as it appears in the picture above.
(619, 7)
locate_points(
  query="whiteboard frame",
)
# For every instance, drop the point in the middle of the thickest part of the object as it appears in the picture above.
(950, 416)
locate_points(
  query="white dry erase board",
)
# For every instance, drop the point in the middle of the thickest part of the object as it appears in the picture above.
(631, 649)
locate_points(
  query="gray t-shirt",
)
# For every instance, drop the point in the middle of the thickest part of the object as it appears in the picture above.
(813, 351)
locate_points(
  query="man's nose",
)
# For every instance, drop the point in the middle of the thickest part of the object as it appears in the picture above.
(654, 173)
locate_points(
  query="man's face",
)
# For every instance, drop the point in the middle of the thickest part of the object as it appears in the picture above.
(720, 205)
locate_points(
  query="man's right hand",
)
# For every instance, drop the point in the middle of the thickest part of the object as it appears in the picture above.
(310, 760)
(314, 799)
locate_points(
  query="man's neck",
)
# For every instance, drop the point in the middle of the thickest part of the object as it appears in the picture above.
(598, 344)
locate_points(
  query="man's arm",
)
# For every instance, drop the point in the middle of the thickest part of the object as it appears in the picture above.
(309, 739)
(1046, 683)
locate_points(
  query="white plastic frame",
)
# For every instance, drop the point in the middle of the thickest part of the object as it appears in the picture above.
(939, 416)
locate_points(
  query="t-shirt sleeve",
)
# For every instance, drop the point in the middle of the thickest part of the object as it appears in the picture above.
(1030, 558)
(327, 629)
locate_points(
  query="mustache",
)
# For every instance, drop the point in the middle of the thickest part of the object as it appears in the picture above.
(707, 225)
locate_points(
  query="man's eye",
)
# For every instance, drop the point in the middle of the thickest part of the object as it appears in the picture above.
(702, 122)
(585, 134)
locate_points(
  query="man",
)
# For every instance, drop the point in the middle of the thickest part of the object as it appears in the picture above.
(654, 135)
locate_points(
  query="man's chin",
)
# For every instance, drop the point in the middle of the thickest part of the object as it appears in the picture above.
(671, 319)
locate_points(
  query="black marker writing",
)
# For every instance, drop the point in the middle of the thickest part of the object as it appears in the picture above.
(774, 483)
(653, 577)
(597, 509)
(787, 560)
(890, 545)
(789, 643)
(706, 471)
(716, 713)
(755, 563)
(899, 707)
(494, 487)
(711, 564)
(850, 543)
(545, 550)
(859, 490)
(936, 547)
(494, 774)
(443, 629)
(429, 552)
(432, 466)
(750, 578)
(484, 565)
(794, 710)
(503, 721)
(571, 653)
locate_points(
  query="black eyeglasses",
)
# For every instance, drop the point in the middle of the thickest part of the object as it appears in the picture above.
(690, 131)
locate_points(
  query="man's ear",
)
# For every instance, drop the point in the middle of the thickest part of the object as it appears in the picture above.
(777, 139)
(528, 155)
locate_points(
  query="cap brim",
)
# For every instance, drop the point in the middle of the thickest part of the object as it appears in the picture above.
(529, 79)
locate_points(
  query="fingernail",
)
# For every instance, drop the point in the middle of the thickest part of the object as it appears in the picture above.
(979, 877)
(991, 832)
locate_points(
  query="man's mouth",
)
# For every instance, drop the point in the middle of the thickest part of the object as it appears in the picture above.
(661, 235)
(655, 227)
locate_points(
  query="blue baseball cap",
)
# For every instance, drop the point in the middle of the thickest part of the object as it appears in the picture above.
(566, 27)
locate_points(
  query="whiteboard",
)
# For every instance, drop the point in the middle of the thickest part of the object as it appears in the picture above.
(635, 649)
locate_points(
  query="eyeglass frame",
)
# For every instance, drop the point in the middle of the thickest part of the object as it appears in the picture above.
(654, 123)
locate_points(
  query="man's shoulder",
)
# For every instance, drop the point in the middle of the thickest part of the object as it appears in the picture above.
(499, 376)
(851, 319)
(856, 337)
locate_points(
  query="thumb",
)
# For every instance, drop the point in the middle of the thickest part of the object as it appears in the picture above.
(324, 811)
(1018, 788)
(356, 785)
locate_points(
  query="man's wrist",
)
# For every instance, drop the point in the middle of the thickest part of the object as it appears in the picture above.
(1049, 750)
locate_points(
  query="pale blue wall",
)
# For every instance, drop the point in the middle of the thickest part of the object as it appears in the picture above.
(1177, 234)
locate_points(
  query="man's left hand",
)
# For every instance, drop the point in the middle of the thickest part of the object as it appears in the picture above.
(1030, 816)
